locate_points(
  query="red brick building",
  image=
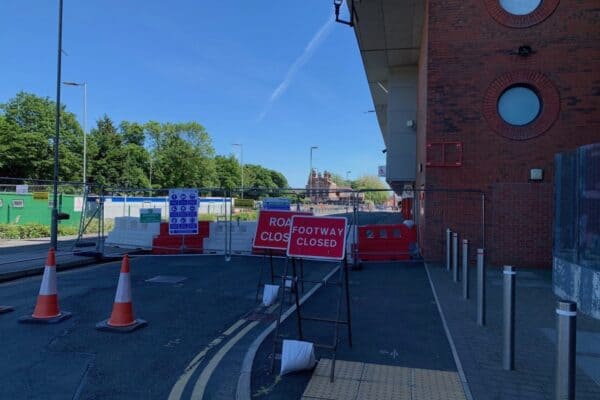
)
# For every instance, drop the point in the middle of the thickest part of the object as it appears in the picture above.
(480, 95)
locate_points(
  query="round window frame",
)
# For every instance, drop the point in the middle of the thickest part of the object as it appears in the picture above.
(535, 92)
(549, 104)
(503, 17)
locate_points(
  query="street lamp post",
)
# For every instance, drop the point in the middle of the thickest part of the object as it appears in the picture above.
(54, 222)
(311, 157)
(84, 85)
(242, 163)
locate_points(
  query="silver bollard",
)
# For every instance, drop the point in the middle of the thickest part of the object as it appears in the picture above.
(465, 268)
(448, 235)
(480, 288)
(455, 256)
(508, 350)
(565, 349)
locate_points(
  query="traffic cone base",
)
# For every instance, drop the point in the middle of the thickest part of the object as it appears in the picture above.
(46, 309)
(136, 324)
(30, 319)
(121, 318)
(6, 309)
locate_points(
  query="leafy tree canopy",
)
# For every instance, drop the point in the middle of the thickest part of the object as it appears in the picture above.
(372, 182)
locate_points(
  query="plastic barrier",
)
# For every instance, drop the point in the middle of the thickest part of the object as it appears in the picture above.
(385, 242)
(129, 232)
(242, 235)
(177, 244)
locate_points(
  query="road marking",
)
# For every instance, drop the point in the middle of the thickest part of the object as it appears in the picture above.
(184, 378)
(202, 381)
(243, 391)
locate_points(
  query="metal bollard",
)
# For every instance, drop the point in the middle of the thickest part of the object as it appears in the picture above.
(455, 256)
(565, 349)
(508, 351)
(465, 268)
(480, 288)
(448, 235)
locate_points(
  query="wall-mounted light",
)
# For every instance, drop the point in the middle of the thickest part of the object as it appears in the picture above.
(337, 4)
(382, 87)
(523, 51)
(411, 123)
(536, 174)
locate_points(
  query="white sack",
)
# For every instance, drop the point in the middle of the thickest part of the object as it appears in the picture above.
(270, 294)
(296, 356)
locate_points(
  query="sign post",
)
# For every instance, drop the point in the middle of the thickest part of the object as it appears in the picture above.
(150, 215)
(272, 234)
(317, 238)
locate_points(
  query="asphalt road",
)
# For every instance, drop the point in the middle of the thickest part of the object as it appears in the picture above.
(214, 304)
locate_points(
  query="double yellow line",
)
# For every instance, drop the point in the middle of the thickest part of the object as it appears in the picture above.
(202, 382)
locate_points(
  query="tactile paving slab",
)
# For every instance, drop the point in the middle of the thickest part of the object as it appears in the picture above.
(343, 369)
(320, 387)
(362, 381)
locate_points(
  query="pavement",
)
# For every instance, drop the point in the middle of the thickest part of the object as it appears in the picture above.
(396, 327)
(480, 348)
(26, 257)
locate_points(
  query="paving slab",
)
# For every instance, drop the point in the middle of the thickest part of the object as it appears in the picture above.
(480, 348)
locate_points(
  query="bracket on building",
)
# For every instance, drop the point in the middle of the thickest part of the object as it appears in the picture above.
(444, 154)
(337, 4)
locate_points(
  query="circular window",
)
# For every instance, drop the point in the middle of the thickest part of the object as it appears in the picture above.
(519, 105)
(520, 7)
(520, 13)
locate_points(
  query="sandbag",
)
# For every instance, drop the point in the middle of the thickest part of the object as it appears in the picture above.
(297, 356)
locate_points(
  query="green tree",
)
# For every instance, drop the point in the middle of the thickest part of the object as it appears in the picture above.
(372, 182)
(339, 180)
(279, 179)
(107, 158)
(27, 135)
(228, 172)
(183, 155)
(133, 133)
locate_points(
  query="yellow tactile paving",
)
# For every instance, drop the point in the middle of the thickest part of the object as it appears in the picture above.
(362, 381)
(387, 374)
(341, 389)
(383, 391)
(343, 369)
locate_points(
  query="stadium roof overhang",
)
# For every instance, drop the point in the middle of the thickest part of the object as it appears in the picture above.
(389, 36)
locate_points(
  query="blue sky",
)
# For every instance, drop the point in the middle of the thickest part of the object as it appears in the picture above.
(276, 76)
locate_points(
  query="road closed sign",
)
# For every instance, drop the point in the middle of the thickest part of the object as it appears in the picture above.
(273, 229)
(317, 237)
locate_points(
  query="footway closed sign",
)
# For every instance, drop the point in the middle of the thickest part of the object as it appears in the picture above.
(273, 229)
(317, 237)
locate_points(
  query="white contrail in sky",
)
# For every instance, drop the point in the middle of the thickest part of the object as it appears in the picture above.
(310, 48)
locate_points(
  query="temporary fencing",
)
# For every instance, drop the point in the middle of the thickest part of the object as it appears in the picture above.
(383, 225)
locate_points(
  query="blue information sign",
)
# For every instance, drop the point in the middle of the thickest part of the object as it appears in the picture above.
(183, 212)
(276, 203)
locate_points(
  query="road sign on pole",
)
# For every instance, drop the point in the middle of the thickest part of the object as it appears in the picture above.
(183, 212)
(317, 237)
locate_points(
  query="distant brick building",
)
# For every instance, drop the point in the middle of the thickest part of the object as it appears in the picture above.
(322, 189)
(480, 95)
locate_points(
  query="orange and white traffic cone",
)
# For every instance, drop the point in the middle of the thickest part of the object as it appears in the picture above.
(46, 309)
(122, 319)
